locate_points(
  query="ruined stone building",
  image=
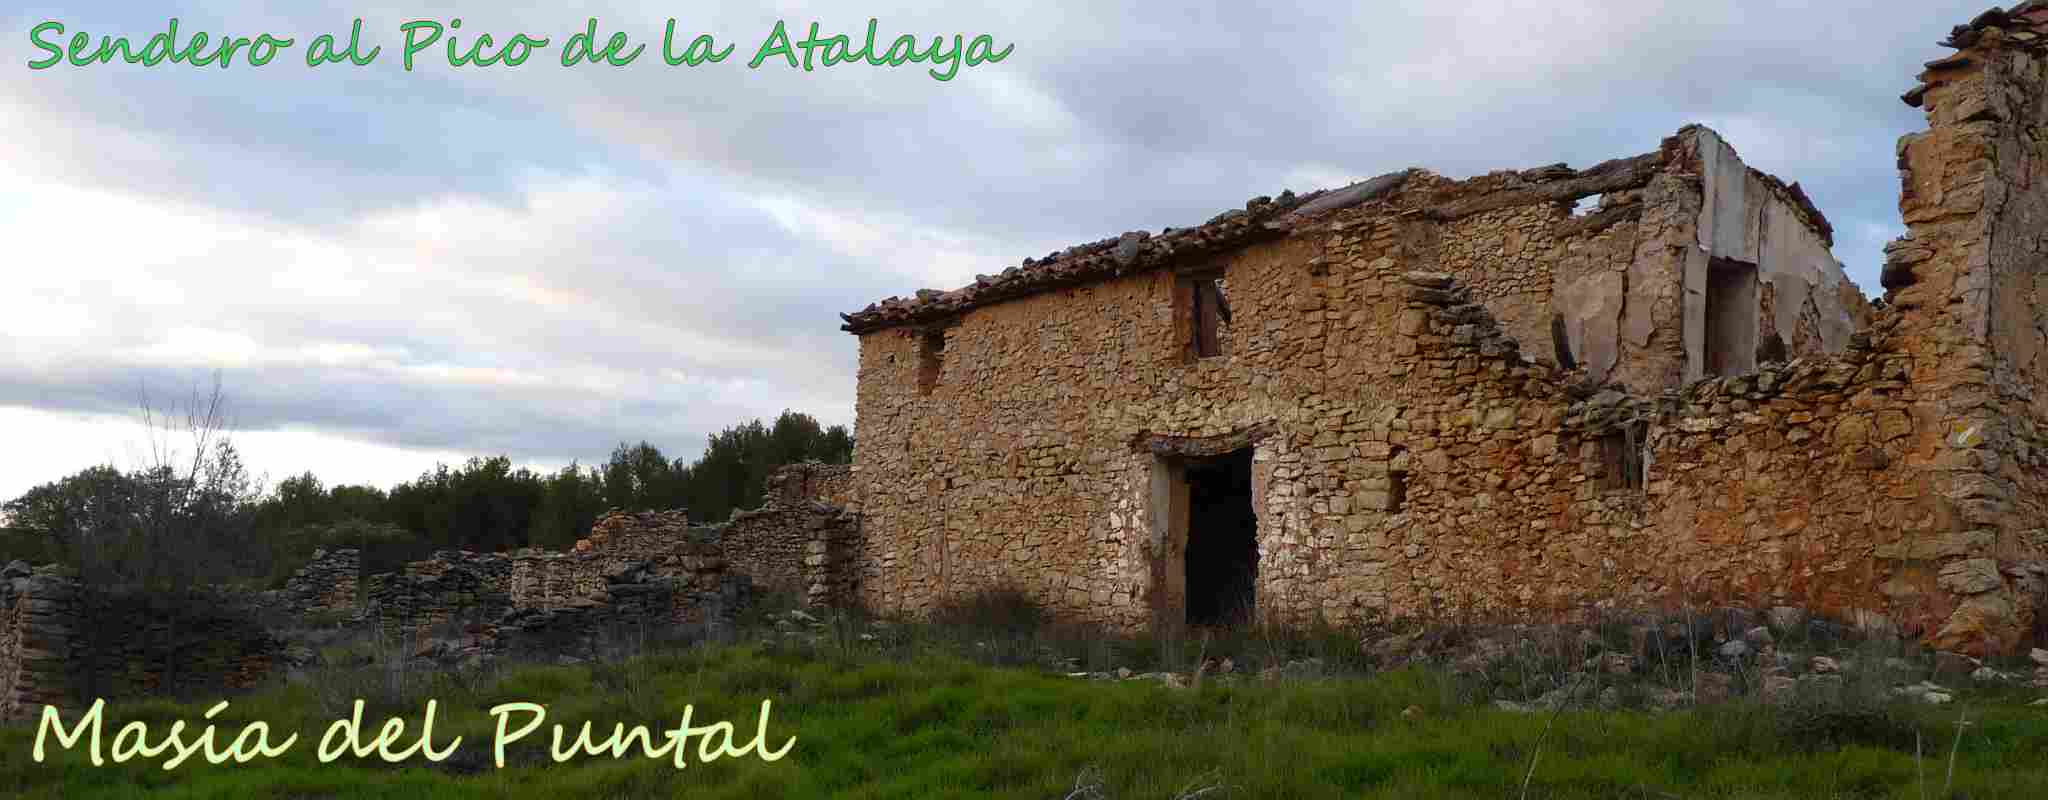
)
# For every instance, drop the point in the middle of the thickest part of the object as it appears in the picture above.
(64, 642)
(1502, 396)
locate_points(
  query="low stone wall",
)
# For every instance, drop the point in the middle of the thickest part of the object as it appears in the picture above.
(636, 605)
(637, 535)
(804, 481)
(647, 566)
(806, 548)
(63, 645)
(805, 538)
(567, 580)
(328, 583)
(640, 574)
(143, 645)
(454, 585)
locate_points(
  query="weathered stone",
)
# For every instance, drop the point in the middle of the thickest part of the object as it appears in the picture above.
(1971, 576)
(1391, 363)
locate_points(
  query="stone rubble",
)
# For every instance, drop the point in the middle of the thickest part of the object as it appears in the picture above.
(644, 574)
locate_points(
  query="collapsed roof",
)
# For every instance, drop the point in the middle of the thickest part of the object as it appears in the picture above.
(1410, 191)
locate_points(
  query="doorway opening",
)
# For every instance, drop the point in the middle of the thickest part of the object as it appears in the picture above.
(1731, 318)
(1222, 544)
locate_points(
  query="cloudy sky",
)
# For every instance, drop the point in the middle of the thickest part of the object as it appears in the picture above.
(390, 268)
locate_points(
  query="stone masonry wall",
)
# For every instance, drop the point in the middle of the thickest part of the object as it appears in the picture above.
(61, 644)
(1882, 467)
(806, 548)
(831, 484)
(37, 613)
(654, 545)
(453, 586)
(328, 583)
(796, 542)
(1971, 268)
(458, 586)
(1028, 463)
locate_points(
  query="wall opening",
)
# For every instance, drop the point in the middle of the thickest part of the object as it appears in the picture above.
(1397, 480)
(931, 350)
(1208, 311)
(1731, 316)
(1222, 544)
(1622, 459)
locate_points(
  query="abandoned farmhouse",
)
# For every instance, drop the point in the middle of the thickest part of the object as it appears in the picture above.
(1522, 396)
(1517, 395)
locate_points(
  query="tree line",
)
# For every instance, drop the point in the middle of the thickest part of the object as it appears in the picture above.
(205, 520)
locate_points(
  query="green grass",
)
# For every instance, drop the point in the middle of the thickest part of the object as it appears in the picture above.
(873, 725)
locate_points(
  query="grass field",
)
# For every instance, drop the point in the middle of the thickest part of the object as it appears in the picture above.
(929, 723)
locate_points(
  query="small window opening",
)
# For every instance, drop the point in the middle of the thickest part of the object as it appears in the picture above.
(1210, 312)
(930, 356)
(1622, 459)
(1586, 205)
(1561, 342)
(1397, 480)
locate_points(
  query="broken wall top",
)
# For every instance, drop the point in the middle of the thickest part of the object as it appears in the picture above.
(1414, 192)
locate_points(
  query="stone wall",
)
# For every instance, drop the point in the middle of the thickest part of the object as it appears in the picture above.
(1463, 397)
(1031, 460)
(453, 586)
(63, 644)
(805, 548)
(37, 618)
(791, 484)
(328, 583)
(649, 573)
(626, 555)
(797, 543)
(624, 550)
(133, 644)
(1970, 270)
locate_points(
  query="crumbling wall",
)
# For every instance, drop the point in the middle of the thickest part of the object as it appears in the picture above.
(804, 481)
(63, 644)
(1753, 219)
(330, 582)
(650, 567)
(1030, 462)
(635, 602)
(647, 573)
(1969, 272)
(657, 544)
(637, 535)
(1588, 289)
(1802, 484)
(451, 587)
(37, 619)
(805, 548)
(1409, 459)
(138, 643)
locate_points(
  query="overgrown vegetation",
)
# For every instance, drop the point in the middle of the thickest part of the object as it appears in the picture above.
(978, 700)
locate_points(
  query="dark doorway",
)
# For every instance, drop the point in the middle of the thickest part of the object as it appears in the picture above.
(1223, 550)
